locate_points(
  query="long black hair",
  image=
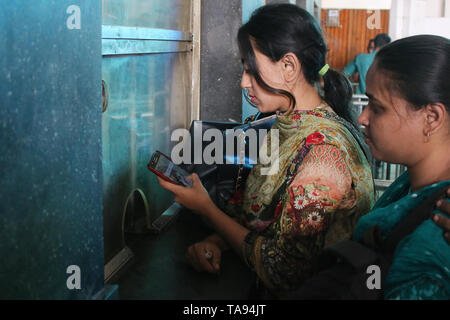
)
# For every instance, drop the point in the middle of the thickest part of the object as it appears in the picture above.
(417, 69)
(281, 28)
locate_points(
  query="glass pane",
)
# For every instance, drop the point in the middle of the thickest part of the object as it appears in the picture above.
(149, 96)
(162, 14)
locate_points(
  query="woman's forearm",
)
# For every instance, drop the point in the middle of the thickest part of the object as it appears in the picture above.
(229, 230)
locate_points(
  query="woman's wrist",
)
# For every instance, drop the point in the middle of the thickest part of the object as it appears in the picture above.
(208, 208)
(217, 240)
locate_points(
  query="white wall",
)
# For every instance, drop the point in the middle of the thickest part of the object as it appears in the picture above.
(412, 17)
(435, 8)
(357, 4)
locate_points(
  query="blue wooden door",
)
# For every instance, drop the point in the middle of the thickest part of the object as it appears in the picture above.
(51, 224)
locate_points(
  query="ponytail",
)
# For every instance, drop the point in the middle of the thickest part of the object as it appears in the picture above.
(338, 94)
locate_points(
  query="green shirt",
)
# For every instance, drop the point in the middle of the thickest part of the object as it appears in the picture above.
(360, 64)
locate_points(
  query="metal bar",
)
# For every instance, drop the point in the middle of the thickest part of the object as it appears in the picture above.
(116, 263)
(127, 47)
(195, 61)
(381, 183)
(138, 33)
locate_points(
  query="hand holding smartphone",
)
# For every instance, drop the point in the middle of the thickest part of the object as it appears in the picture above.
(162, 166)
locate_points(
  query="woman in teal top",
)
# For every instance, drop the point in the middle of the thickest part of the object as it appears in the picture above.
(407, 121)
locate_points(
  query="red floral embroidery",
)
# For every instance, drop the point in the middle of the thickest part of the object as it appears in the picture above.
(278, 209)
(296, 116)
(318, 115)
(311, 112)
(256, 207)
(315, 138)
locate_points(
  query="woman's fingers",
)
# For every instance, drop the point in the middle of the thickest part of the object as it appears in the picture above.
(195, 179)
(444, 206)
(440, 220)
(196, 182)
(204, 256)
(169, 185)
(191, 257)
(212, 256)
(444, 223)
(216, 258)
(175, 189)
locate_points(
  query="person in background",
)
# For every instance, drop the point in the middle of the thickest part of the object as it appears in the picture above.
(354, 78)
(362, 62)
(279, 222)
(407, 121)
(371, 46)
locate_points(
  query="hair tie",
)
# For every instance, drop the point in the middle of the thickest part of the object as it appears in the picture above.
(324, 70)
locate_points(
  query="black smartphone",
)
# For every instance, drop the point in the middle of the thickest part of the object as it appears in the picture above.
(163, 167)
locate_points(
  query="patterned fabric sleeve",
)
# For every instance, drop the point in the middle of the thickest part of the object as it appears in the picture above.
(319, 193)
(426, 288)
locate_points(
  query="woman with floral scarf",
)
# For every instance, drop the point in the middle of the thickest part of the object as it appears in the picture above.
(322, 184)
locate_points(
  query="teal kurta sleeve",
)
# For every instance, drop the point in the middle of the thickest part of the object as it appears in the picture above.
(350, 69)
